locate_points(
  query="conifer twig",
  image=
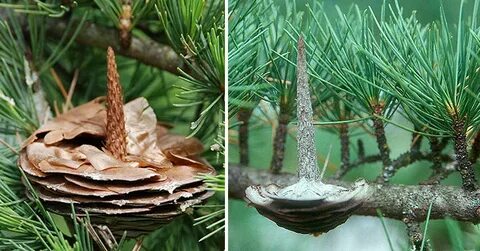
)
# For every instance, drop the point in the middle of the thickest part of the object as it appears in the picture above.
(407, 158)
(392, 200)
(438, 175)
(125, 24)
(475, 151)
(403, 160)
(464, 165)
(416, 141)
(115, 131)
(361, 149)
(383, 148)
(243, 116)
(437, 158)
(364, 160)
(344, 151)
(438, 172)
(279, 142)
(144, 50)
(414, 231)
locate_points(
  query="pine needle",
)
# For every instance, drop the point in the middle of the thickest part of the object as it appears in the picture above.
(426, 226)
(380, 215)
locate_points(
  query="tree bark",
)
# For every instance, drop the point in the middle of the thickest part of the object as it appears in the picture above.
(464, 165)
(345, 146)
(392, 200)
(379, 127)
(243, 116)
(475, 152)
(279, 143)
(144, 50)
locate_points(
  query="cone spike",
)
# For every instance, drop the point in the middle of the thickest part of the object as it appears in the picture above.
(307, 160)
(116, 133)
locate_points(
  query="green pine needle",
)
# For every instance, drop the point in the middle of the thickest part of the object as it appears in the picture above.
(380, 215)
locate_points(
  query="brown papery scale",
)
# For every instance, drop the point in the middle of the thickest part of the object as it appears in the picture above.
(116, 162)
(308, 206)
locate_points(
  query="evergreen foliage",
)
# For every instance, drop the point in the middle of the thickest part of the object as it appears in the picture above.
(368, 69)
(42, 75)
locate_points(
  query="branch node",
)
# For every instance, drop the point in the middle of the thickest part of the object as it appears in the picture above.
(413, 230)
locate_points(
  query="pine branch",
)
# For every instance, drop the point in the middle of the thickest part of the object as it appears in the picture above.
(464, 165)
(413, 231)
(392, 200)
(475, 151)
(403, 160)
(125, 24)
(18, 216)
(438, 174)
(143, 49)
(125, 14)
(279, 142)
(244, 115)
(379, 127)
(344, 151)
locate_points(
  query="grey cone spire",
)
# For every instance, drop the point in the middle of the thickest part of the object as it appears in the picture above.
(307, 158)
(307, 206)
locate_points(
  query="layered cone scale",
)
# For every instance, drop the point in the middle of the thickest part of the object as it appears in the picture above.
(149, 183)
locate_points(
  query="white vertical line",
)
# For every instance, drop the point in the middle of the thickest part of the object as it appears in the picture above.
(226, 121)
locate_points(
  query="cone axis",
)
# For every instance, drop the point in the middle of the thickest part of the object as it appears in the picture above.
(116, 162)
(308, 206)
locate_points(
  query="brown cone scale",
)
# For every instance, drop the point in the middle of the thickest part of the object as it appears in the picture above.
(116, 162)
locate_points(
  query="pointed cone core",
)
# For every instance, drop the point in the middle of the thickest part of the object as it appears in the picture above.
(307, 158)
(116, 133)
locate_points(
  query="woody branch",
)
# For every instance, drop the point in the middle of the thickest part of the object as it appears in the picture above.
(392, 200)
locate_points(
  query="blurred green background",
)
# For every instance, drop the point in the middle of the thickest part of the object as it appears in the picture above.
(250, 231)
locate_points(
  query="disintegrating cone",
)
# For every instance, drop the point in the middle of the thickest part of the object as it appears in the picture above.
(308, 206)
(139, 188)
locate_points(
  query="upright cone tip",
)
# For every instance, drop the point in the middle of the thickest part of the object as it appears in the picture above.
(307, 157)
(116, 133)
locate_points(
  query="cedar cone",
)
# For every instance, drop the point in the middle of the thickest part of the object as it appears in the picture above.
(144, 178)
(308, 206)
